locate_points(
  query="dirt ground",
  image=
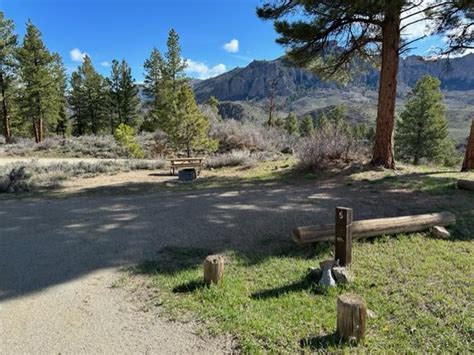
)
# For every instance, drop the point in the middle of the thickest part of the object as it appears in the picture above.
(60, 257)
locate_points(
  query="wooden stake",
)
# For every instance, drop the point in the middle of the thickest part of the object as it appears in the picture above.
(343, 233)
(213, 269)
(351, 317)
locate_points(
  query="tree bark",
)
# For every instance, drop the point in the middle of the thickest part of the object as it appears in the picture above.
(6, 118)
(351, 317)
(468, 163)
(383, 147)
(213, 269)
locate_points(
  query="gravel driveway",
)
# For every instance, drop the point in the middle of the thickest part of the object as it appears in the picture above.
(59, 258)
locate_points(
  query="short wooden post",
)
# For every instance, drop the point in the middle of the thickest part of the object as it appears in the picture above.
(343, 235)
(351, 317)
(213, 269)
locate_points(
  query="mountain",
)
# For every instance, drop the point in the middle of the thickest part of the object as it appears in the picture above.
(253, 81)
(243, 92)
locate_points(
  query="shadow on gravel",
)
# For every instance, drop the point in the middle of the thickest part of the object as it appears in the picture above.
(47, 242)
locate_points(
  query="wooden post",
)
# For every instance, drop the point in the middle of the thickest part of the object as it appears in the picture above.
(351, 317)
(343, 235)
(213, 269)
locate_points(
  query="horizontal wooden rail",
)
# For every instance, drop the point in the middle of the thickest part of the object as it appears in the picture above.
(374, 227)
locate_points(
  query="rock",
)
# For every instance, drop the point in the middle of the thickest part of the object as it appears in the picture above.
(326, 279)
(440, 232)
(327, 264)
(342, 275)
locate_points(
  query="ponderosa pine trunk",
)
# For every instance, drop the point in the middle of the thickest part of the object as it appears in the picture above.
(6, 117)
(468, 163)
(383, 147)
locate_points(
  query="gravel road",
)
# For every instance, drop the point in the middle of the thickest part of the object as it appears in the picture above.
(60, 257)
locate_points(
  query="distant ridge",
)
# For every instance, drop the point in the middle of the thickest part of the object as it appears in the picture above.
(253, 81)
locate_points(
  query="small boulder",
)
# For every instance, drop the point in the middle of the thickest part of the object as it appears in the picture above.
(342, 275)
(326, 279)
(440, 232)
(327, 264)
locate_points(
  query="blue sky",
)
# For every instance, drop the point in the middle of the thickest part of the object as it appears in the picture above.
(216, 35)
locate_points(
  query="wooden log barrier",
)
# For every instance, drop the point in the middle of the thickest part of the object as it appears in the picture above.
(351, 317)
(465, 184)
(374, 227)
(213, 269)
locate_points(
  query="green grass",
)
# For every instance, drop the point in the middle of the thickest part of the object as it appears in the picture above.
(419, 288)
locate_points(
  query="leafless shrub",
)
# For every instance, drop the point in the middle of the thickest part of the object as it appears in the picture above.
(88, 146)
(329, 147)
(235, 135)
(17, 177)
(234, 158)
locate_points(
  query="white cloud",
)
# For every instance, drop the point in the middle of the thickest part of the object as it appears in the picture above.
(202, 71)
(77, 55)
(232, 46)
(105, 64)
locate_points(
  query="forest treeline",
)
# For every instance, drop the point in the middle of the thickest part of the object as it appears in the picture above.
(38, 98)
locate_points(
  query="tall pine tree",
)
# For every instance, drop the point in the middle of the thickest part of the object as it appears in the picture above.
(164, 78)
(89, 100)
(61, 123)
(422, 131)
(8, 65)
(38, 90)
(124, 96)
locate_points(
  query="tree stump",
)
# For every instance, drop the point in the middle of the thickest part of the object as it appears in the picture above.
(351, 317)
(213, 269)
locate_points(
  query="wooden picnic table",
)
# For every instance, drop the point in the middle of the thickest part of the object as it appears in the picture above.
(194, 162)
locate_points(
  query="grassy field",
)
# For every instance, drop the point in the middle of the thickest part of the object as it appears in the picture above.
(418, 288)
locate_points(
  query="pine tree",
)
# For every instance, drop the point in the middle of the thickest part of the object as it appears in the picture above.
(323, 123)
(365, 30)
(163, 80)
(337, 116)
(77, 102)
(175, 64)
(61, 123)
(37, 82)
(291, 124)
(89, 99)
(124, 96)
(189, 127)
(307, 126)
(422, 131)
(154, 69)
(8, 66)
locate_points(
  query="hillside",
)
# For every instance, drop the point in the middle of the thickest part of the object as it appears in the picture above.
(243, 92)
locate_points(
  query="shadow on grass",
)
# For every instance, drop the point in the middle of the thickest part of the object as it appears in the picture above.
(307, 283)
(189, 287)
(321, 342)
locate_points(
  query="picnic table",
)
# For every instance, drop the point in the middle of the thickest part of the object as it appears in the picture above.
(177, 163)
